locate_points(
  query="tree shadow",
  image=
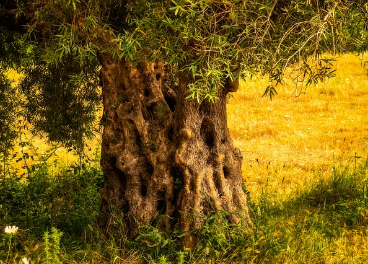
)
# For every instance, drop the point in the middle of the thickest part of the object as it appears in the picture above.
(329, 206)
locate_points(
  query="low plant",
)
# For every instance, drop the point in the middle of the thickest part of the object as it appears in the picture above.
(9, 239)
(52, 246)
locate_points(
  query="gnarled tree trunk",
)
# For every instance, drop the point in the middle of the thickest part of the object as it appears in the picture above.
(163, 155)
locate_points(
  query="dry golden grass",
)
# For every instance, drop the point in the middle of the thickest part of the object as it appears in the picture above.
(284, 141)
(289, 143)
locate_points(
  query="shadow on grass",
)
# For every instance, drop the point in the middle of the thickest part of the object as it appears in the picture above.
(330, 205)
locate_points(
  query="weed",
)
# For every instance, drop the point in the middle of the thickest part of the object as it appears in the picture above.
(52, 246)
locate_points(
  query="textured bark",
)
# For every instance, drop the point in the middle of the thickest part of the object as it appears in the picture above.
(164, 156)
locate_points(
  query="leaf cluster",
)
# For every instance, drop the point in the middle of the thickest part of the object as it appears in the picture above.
(62, 99)
(10, 57)
(8, 132)
(212, 41)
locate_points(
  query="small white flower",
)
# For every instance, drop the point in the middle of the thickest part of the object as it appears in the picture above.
(11, 229)
(25, 261)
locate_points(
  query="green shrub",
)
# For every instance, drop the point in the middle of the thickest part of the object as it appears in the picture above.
(66, 200)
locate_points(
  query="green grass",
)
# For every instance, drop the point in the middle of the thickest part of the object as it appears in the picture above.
(325, 222)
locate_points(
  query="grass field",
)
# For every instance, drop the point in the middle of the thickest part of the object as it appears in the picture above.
(293, 144)
(305, 166)
(286, 140)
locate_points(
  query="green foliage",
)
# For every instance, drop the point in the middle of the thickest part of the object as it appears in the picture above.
(215, 40)
(52, 246)
(10, 241)
(10, 56)
(155, 242)
(8, 114)
(271, 91)
(10, 49)
(62, 99)
(68, 201)
(355, 30)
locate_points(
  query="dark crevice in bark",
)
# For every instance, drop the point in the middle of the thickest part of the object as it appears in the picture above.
(120, 180)
(134, 133)
(151, 111)
(149, 168)
(161, 202)
(146, 93)
(208, 133)
(143, 189)
(174, 221)
(170, 133)
(146, 114)
(171, 103)
(178, 180)
(227, 172)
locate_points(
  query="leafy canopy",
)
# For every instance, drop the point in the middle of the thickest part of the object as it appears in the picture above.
(216, 40)
(210, 41)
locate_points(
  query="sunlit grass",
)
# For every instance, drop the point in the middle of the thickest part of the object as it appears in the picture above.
(292, 143)
(284, 141)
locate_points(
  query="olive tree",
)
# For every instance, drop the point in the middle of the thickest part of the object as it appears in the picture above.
(166, 68)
